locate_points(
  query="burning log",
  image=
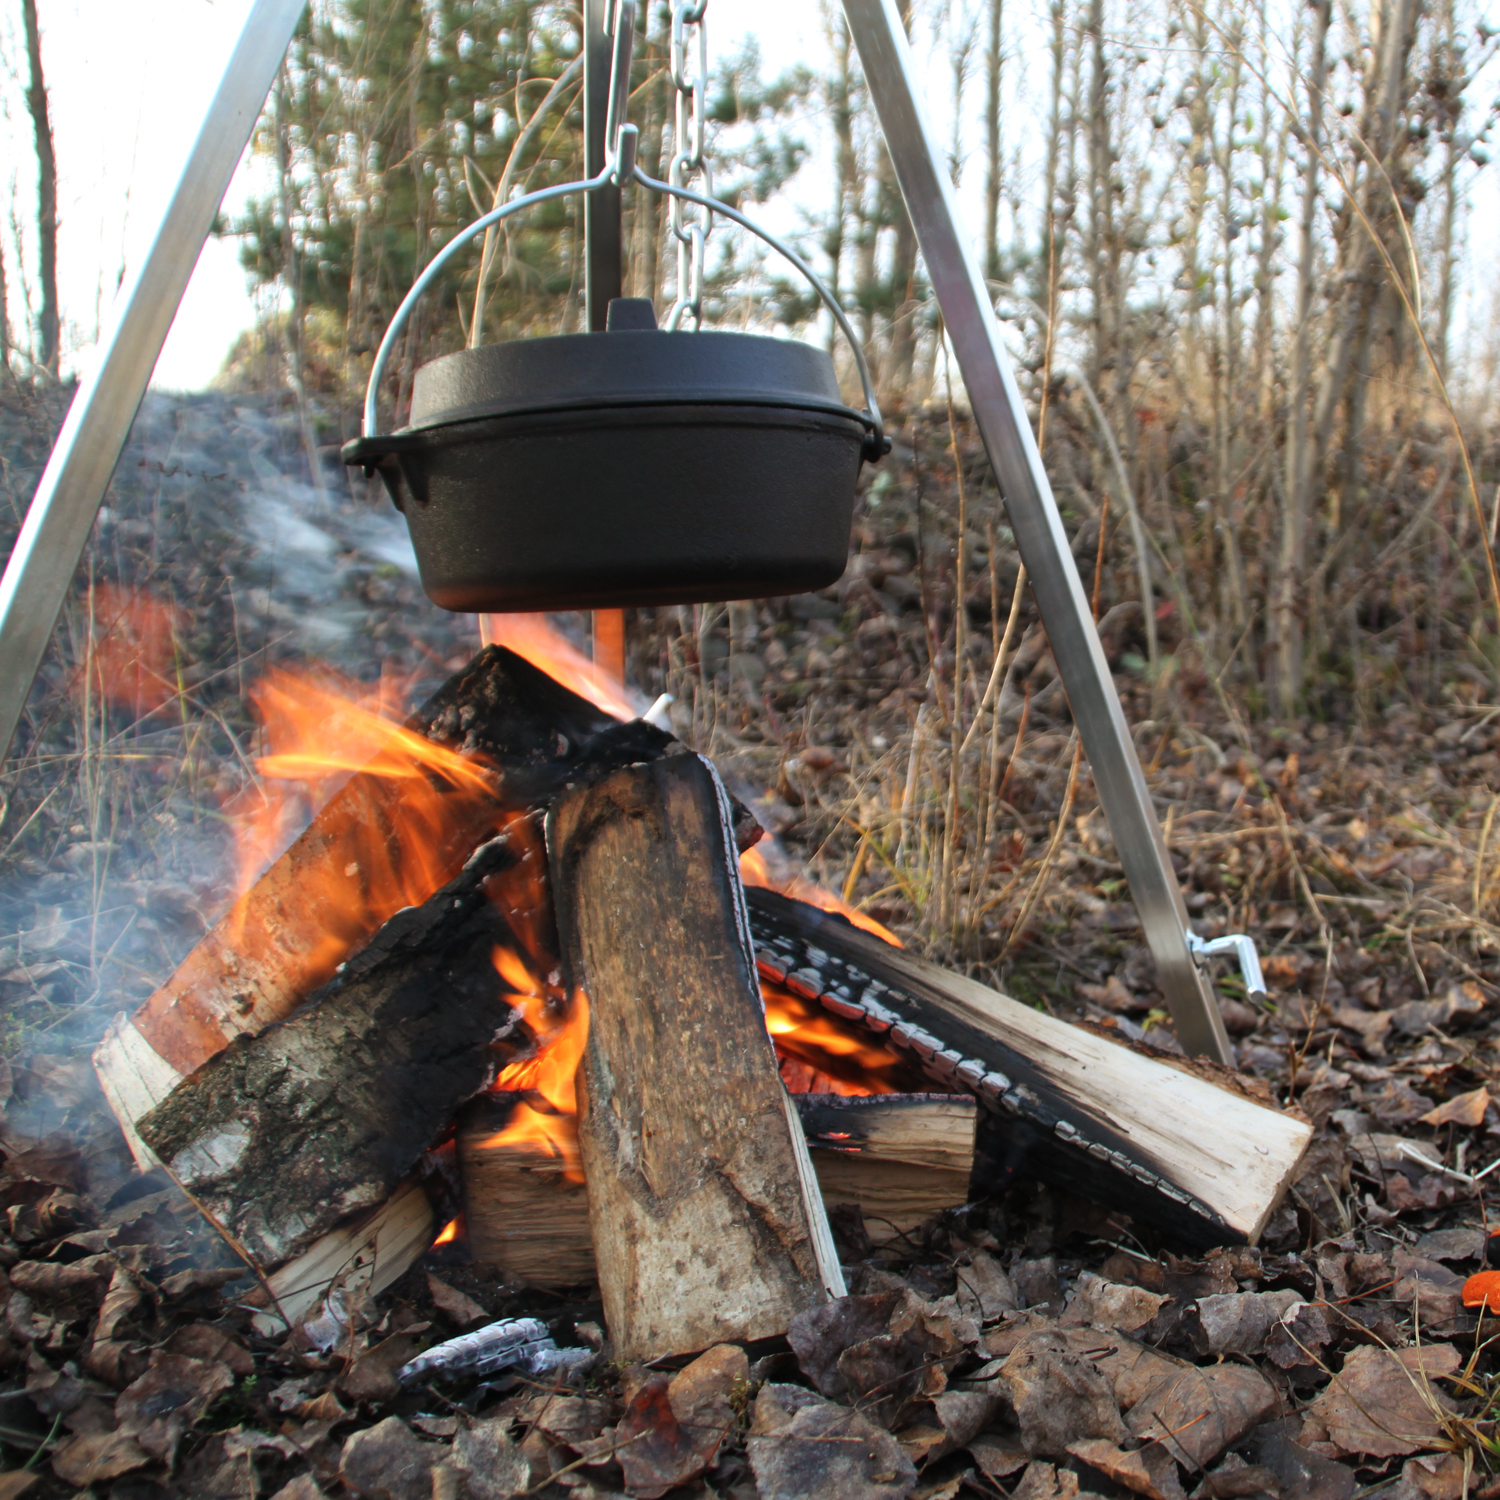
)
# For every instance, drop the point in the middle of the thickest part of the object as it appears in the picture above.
(707, 1223)
(901, 1158)
(1180, 1148)
(525, 1210)
(283, 1135)
(498, 739)
(496, 743)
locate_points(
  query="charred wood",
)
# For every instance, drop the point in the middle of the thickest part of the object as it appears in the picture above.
(284, 1134)
(1190, 1156)
(282, 939)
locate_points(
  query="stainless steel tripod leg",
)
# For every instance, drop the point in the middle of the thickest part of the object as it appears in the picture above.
(67, 499)
(975, 333)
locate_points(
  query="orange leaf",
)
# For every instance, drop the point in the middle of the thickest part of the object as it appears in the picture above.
(1462, 1109)
(1483, 1290)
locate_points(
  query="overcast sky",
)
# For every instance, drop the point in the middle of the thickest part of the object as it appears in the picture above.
(129, 82)
(130, 79)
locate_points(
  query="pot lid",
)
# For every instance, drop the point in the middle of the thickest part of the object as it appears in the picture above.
(624, 367)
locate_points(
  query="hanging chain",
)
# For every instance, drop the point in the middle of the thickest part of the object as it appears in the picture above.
(691, 224)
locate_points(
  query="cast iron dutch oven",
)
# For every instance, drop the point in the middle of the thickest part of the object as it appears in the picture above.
(632, 467)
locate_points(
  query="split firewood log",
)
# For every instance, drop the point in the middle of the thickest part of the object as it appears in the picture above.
(901, 1158)
(898, 1158)
(1179, 1146)
(283, 1135)
(706, 1220)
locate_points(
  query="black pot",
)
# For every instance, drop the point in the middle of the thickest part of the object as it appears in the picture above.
(626, 468)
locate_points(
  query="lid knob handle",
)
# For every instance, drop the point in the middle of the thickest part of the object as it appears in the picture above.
(630, 315)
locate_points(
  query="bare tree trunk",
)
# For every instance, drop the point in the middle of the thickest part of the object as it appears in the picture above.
(1451, 157)
(1100, 236)
(648, 207)
(994, 58)
(4, 319)
(1198, 153)
(46, 190)
(1054, 225)
(1273, 169)
(1285, 622)
(291, 271)
(836, 91)
(903, 267)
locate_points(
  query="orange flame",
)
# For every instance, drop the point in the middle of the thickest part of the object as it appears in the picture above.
(821, 1055)
(545, 1122)
(410, 821)
(449, 1234)
(755, 871)
(532, 637)
(132, 658)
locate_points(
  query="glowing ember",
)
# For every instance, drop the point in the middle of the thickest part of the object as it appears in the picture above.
(834, 1057)
(132, 660)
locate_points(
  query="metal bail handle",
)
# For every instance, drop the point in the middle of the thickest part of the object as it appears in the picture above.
(620, 167)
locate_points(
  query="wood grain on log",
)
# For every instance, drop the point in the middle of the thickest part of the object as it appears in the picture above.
(522, 1213)
(705, 1225)
(900, 1157)
(1201, 1162)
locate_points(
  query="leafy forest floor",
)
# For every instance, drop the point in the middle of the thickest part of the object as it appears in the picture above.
(1030, 1347)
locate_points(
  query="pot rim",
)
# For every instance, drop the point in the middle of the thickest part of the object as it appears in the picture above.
(626, 368)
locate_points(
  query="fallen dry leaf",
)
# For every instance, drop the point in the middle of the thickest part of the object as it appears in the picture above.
(492, 1465)
(168, 1399)
(827, 1450)
(1151, 1471)
(1301, 1473)
(1433, 1476)
(15, 1483)
(883, 1353)
(1058, 1396)
(1197, 1413)
(674, 1425)
(389, 1462)
(372, 1377)
(1112, 1304)
(999, 1456)
(454, 1304)
(204, 1341)
(1237, 1322)
(303, 1487)
(984, 1290)
(1462, 1109)
(94, 1456)
(1384, 1402)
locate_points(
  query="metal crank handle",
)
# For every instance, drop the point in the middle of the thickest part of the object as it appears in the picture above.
(879, 443)
(1242, 947)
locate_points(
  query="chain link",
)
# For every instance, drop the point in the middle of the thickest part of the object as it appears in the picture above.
(691, 225)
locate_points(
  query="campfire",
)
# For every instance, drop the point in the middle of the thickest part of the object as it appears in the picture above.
(529, 981)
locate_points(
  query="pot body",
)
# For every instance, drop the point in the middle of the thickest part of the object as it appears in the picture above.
(631, 505)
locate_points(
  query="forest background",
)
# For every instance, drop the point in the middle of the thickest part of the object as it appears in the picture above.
(1231, 243)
